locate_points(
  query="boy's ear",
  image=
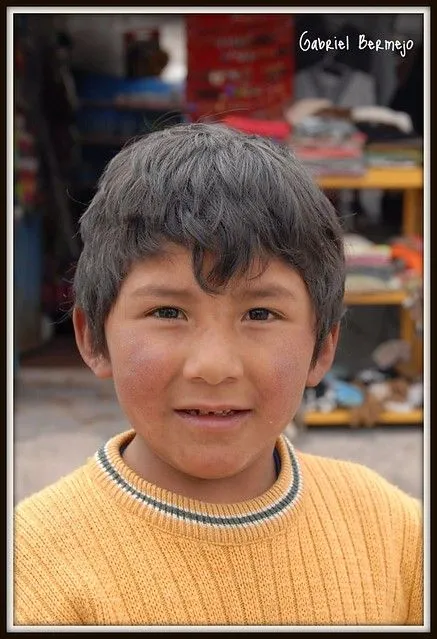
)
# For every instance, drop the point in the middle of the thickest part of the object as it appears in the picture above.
(326, 356)
(99, 364)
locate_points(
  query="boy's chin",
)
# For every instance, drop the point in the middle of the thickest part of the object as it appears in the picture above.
(217, 480)
(212, 470)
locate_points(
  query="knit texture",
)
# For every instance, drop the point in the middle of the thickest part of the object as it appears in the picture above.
(331, 543)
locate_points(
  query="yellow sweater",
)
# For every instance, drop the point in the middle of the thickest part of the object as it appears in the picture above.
(331, 543)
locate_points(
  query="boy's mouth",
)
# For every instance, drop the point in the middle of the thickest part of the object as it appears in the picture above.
(217, 413)
(216, 418)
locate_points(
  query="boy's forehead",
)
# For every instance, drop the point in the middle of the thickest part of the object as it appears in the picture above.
(179, 259)
(173, 265)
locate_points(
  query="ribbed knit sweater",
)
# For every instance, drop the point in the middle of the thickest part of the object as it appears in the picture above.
(330, 543)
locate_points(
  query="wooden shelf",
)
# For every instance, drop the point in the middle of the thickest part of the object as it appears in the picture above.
(341, 417)
(387, 178)
(377, 298)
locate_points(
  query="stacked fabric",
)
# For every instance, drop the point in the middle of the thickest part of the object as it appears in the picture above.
(370, 267)
(329, 146)
(345, 139)
(394, 154)
(391, 139)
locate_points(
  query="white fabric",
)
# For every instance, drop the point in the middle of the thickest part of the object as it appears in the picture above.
(305, 108)
(383, 115)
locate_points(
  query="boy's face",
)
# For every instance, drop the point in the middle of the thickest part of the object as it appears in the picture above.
(174, 348)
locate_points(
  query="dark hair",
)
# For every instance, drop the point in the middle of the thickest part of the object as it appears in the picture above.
(215, 191)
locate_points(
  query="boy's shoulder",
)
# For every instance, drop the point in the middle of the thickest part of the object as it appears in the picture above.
(349, 481)
(56, 504)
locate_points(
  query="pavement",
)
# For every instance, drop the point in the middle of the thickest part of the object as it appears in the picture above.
(63, 414)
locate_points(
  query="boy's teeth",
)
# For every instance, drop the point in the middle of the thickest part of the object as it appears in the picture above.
(221, 413)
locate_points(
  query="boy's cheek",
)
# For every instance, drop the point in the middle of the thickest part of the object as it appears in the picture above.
(288, 376)
(283, 382)
(139, 367)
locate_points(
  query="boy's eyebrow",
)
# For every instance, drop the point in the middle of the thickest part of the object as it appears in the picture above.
(268, 291)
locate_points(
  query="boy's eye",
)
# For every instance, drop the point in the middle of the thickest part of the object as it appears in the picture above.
(260, 314)
(167, 312)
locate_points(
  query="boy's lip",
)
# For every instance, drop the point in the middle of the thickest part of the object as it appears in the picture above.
(230, 421)
(216, 408)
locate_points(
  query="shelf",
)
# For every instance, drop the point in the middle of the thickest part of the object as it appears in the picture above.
(341, 417)
(376, 298)
(390, 179)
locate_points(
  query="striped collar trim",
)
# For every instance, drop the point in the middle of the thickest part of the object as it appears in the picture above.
(247, 515)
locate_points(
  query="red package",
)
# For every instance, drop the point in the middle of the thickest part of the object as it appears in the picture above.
(277, 129)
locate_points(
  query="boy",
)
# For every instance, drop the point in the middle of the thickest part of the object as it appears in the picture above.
(210, 289)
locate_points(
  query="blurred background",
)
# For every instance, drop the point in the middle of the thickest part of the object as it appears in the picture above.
(86, 84)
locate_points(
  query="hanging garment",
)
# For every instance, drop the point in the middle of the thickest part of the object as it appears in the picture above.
(346, 88)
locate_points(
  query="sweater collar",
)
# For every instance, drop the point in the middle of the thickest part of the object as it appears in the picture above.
(182, 515)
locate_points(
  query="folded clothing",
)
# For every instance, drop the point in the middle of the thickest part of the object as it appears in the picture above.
(383, 115)
(304, 108)
(367, 283)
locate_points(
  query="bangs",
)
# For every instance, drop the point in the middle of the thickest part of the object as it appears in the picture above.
(217, 204)
(231, 237)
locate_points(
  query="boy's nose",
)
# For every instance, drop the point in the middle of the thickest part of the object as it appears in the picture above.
(213, 358)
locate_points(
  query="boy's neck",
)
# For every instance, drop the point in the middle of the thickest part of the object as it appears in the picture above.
(250, 483)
